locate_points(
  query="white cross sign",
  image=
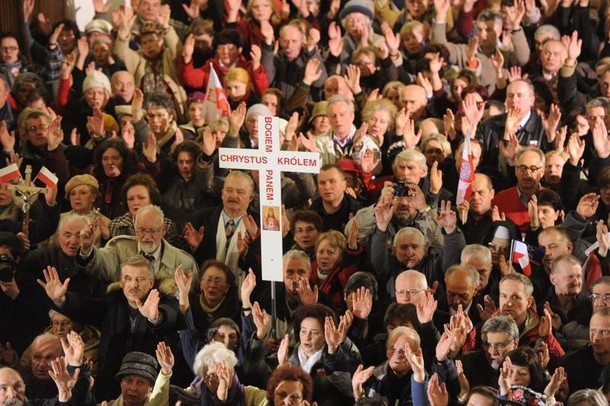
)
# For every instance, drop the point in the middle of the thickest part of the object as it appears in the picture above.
(270, 160)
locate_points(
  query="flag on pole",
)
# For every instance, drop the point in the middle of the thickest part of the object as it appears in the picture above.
(9, 173)
(525, 255)
(466, 173)
(520, 256)
(216, 104)
(47, 177)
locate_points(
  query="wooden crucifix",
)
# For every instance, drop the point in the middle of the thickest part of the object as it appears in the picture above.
(28, 193)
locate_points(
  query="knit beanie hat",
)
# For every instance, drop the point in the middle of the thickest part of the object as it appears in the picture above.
(140, 364)
(97, 80)
(358, 6)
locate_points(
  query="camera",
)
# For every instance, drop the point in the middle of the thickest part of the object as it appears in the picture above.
(400, 190)
(8, 267)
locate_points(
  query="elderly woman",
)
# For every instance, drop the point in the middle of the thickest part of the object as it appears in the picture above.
(140, 190)
(216, 381)
(357, 20)
(380, 116)
(82, 192)
(436, 148)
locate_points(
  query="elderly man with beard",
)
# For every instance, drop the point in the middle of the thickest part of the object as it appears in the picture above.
(148, 242)
(569, 306)
(131, 317)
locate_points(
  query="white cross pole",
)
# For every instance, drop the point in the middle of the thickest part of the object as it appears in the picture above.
(270, 161)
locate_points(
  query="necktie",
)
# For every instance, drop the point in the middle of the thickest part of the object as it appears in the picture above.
(229, 230)
(149, 257)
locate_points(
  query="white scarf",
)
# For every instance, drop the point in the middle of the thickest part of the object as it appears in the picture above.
(228, 255)
(308, 363)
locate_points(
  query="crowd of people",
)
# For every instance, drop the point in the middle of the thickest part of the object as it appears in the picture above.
(135, 277)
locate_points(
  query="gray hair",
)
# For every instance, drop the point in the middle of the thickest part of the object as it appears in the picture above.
(476, 250)
(338, 98)
(598, 102)
(528, 287)
(548, 29)
(70, 217)
(531, 149)
(213, 353)
(403, 331)
(408, 232)
(297, 254)
(411, 155)
(441, 140)
(472, 273)
(150, 208)
(593, 396)
(139, 261)
(501, 324)
(488, 15)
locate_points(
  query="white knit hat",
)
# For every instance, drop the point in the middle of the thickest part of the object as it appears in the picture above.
(97, 80)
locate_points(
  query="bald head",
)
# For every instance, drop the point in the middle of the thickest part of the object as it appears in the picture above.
(413, 98)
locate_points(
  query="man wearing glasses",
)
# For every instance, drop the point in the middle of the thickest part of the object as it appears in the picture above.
(500, 336)
(529, 169)
(148, 242)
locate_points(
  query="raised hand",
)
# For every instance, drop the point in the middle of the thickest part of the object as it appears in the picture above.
(551, 122)
(306, 294)
(545, 326)
(426, 309)
(183, 283)
(437, 393)
(587, 205)
(447, 217)
(63, 380)
(236, 119)
(333, 334)
(247, 287)
(359, 135)
(488, 309)
(28, 9)
(410, 138)
(601, 141)
(308, 142)
(575, 148)
(7, 139)
(262, 321)
(360, 376)
(383, 215)
(443, 347)
(464, 384)
(128, 134)
(559, 378)
(449, 124)
(165, 358)
(56, 134)
(149, 148)
(574, 46)
(362, 303)
(496, 215)
(52, 285)
(416, 360)
(100, 7)
(224, 381)
(282, 350)
(193, 9)
(511, 149)
(255, 56)
(504, 377)
(497, 60)
(188, 48)
(8, 356)
(164, 16)
(150, 308)
(74, 349)
(436, 179)
(95, 123)
(137, 102)
(313, 71)
(473, 111)
(352, 78)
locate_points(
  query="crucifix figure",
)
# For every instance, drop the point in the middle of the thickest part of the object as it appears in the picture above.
(270, 161)
(28, 193)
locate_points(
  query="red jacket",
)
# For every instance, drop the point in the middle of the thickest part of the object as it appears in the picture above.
(334, 284)
(198, 77)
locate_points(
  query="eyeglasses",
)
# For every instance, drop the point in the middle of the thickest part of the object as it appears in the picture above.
(214, 281)
(525, 168)
(9, 49)
(293, 397)
(300, 230)
(409, 292)
(605, 297)
(497, 346)
(33, 128)
(151, 231)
